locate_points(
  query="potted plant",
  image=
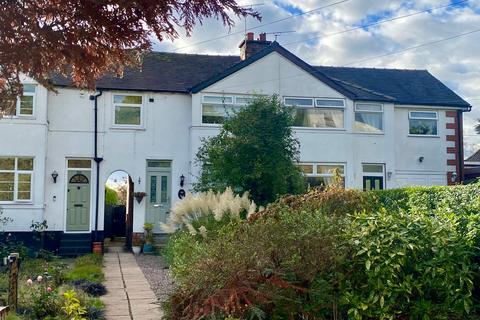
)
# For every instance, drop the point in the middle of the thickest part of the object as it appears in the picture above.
(139, 196)
(137, 245)
(148, 246)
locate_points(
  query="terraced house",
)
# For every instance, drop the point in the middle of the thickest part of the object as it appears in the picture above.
(383, 128)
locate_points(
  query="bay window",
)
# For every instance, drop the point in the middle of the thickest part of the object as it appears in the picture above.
(423, 123)
(322, 174)
(16, 179)
(368, 117)
(317, 113)
(127, 110)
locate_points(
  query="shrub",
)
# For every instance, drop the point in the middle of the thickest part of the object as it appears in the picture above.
(92, 288)
(336, 254)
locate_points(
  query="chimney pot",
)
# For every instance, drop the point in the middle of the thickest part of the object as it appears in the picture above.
(250, 36)
(262, 37)
(250, 47)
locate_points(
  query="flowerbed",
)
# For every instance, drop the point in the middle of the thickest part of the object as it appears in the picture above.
(58, 288)
(335, 254)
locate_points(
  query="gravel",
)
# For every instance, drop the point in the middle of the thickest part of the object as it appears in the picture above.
(158, 275)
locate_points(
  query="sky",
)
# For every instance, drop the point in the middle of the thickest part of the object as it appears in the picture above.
(318, 38)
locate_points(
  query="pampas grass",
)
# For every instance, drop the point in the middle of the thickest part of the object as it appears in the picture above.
(219, 205)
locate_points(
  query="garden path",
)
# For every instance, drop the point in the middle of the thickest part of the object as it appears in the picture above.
(128, 293)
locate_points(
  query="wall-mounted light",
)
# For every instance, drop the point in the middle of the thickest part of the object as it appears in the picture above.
(389, 175)
(139, 180)
(421, 159)
(453, 177)
(54, 176)
(182, 180)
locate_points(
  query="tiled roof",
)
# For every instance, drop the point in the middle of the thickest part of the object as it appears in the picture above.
(173, 72)
(164, 72)
(474, 157)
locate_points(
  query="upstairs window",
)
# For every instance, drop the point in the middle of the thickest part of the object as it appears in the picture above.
(128, 110)
(368, 117)
(317, 113)
(321, 174)
(16, 179)
(423, 123)
(215, 109)
(25, 103)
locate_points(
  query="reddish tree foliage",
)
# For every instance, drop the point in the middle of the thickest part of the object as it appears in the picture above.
(85, 39)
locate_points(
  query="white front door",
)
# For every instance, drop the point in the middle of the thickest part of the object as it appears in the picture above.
(159, 178)
(78, 201)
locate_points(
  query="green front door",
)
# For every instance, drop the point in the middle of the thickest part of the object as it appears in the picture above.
(78, 201)
(158, 192)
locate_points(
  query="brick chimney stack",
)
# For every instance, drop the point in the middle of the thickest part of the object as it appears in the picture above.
(249, 46)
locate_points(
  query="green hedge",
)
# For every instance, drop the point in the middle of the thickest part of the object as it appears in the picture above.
(396, 254)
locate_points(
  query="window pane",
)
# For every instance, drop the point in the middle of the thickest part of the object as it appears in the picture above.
(164, 192)
(368, 122)
(7, 163)
(373, 168)
(426, 127)
(423, 115)
(153, 189)
(158, 164)
(7, 186)
(25, 163)
(329, 168)
(329, 103)
(127, 115)
(30, 88)
(79, 163)
(318, 181)
(218, 99)
(26, 105)
(369, 107)
(306, 168)
(243, 100)
(127, 99)
(319, 118)
(214, 113)
(24, 186)
(299, 102)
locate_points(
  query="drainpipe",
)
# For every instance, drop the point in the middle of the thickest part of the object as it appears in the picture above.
(461, 174)
(97, 160)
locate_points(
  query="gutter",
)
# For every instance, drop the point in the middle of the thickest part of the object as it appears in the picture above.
(97, 160)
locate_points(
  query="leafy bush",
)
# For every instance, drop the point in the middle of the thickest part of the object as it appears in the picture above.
(336, 254)
(92, 288)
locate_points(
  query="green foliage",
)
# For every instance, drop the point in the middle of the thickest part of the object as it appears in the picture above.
(336, 254)
(111, 197)
(87, 267)
(255, 152)
(72, 306)
(406, 264)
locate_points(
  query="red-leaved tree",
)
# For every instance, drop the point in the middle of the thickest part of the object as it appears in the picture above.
(86, 39)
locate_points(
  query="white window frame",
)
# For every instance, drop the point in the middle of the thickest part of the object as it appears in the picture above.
(16, 172)
(18, 113)
(356, 110)
(315, 105)
(410, 117)
(141, 106)
(323, 175)
(235, 104)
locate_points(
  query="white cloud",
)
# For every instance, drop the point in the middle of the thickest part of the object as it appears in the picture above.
(454, 62)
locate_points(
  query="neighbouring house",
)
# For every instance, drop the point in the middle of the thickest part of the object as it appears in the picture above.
(472, 167)
(382, 128)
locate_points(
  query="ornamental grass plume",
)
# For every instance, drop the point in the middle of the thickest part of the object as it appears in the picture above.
(217, 205)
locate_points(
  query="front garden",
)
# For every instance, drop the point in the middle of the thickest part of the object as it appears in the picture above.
(54, 288)
(328, 254)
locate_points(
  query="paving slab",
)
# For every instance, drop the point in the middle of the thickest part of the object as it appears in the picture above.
(129, 296)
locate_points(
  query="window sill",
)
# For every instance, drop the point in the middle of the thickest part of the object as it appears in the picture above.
(121, 128)
(369, 133)
(18, 202)
(29, 118)
(423, 136)
(319, 129)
